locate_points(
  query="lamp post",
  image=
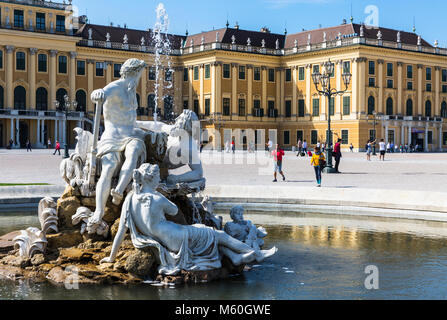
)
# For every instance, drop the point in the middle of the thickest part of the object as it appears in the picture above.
(66, 110)
(324, 79)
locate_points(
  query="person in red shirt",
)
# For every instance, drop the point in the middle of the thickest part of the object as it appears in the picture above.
(337, 154)
(277, 154)
(57, 148)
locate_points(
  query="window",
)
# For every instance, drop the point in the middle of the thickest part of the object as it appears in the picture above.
(1, 59)
(288, 109)
(226, 106)
(372, 135)
(372, 82)
(42, 63)
(196, 73)
(62, 64)
(116, 70)
(443, 109)
(314, 137)
(207, 107)
(410, 72)
(444, 75)
(152, 73)
(99, 69)
(185, 74)
(346, 106)
(286, 137)
(226, 71)
(301, 108)
(316, 69)
(271, 75)
(389, 69)
(346, 67)
(257, 74)
(372, 68)
(301, 73)
(288, 75)
(389, 107)
(196, 106)
(409, 109)
(60, 23)
(81, 99)
(428, 74)
(444, 88)
(389, 84)
(2, 93)
(207, 71)
(272, 112)
(18, 18)
(41, 99)
(257, 111)
(371, 105)
(315, 107)
(344, 136)
(430, 137)
(299, 135)
(241, 72)
(332, 106)
(19, 98)
(40, 21)
(428, 108)
(80, 67)
(256, 103)
(444, 138)
(428, 87)
(185, 104)
(151, 103)
(409, 85)
(242, 107)
(20, 61)
(168, 75)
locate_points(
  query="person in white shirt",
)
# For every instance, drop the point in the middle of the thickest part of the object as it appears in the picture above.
(270, 146)
(305, 147)
(382, 149)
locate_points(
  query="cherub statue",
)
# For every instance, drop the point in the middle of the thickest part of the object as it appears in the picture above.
(245, 230)
(181, 247)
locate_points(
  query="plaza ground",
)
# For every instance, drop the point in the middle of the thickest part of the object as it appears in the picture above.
(408, 171)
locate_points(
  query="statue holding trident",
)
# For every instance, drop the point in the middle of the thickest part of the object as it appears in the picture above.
(121, 148)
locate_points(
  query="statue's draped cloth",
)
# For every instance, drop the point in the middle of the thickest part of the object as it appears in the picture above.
(199, 249)
(118, 144)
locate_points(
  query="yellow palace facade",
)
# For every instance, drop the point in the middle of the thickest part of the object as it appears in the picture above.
(237, 81)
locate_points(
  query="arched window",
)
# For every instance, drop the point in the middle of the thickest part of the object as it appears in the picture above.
(444, 109)
(41, 99)
(81, 99)
(60, 94)
(19, 98)
(151, 103)
(389, 106)
(428, 108)
(409, 111)
(168, 106)
(2, 104)
(371, 105)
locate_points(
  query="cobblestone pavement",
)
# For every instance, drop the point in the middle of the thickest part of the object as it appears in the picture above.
(416, 171)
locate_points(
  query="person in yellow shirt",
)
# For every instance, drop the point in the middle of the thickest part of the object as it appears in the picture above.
(318, 161)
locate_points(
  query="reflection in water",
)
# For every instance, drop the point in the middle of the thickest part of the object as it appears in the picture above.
(319, 257)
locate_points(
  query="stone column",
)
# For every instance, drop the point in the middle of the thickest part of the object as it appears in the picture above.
(17, 132)
(9, 69)
(218, 87)
(308, 111)
(409, 134)
(56, 137)
(339, 84)
(264, 89)
(386, 131)
(361, 86)
(90, 70)
(201, 92)
(12, 137)
(143, 98)
(52, 73)
(281, 104)
(109, 72)
(380, 84)
(402, 134)
(234, 111)
(32, 78)
(440, 137)
(42, 133)
(249, 90)
(72, 77)
(426, 138)
(355, 87)
(399, 88)
(38, 133)
(437, 107)
(295, 92)
(420, 84)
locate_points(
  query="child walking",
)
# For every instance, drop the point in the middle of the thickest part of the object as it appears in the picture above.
(317, 162)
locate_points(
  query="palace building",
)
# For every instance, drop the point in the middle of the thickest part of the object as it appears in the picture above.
(237, 81)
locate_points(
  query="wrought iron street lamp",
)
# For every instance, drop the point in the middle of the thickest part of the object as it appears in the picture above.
(324, 80)
(66, 110)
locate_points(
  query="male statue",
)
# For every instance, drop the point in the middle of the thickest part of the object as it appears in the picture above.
(121, 148)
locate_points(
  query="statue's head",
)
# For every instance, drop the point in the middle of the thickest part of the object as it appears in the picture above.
(237, 213)
(132, 68)
(147, 174)
(185, 120)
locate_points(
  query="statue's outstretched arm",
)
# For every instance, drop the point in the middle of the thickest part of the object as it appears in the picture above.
(154, 126)
(170, 208)
(195, 174)
(122, 229)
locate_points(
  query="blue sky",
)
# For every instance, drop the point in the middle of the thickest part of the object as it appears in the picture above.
(204, 15)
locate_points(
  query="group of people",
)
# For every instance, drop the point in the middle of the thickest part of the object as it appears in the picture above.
(318, 160)
(29, 146)
(389, 147)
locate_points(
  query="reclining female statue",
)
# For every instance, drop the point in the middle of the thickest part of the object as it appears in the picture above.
(181, 247)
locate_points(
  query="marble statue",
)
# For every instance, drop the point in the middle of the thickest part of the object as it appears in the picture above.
(245, 230)
(90, 33)
(82, 216)
(30, 242)
(182, 149)
(181, 247)
(108, 37)
(47, 213)
(121, 147)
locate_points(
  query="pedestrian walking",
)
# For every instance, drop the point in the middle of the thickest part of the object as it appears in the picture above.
(318, 161)
(337, 154)
(278, 154)
(49, 144)
(57, 148)
(382, 149)
(227, 147)
(300, 147)
(233, 146)
(28, 146)
(305, 146)
(369, 145)
(388, 147)
(351, 147)
(270, 147)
